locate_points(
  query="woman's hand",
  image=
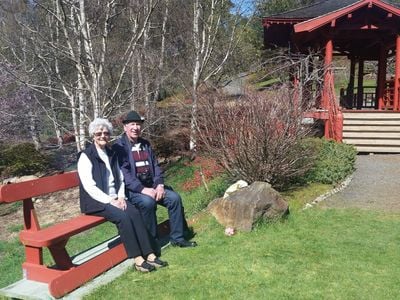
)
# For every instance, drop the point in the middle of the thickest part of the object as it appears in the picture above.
(122, 202)
(119, 202)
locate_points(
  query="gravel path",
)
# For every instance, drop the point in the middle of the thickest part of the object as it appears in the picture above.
(375, 185)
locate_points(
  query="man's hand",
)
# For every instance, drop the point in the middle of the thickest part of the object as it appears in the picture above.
(160, 192)
(149, 192)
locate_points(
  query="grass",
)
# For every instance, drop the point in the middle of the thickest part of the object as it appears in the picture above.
(8, 208)
(194, 200)
(313, 254)
(11, 258)
(299, 196)
(12, 252)
(266, 83)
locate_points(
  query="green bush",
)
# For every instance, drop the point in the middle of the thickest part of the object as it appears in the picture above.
(21, 159)
(334, 162)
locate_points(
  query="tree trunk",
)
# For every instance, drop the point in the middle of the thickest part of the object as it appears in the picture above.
(162, 53)
(33, 129)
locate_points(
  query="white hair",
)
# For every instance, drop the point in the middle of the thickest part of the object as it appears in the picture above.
(100, 123)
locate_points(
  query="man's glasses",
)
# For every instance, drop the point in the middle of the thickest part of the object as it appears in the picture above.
(105, 133)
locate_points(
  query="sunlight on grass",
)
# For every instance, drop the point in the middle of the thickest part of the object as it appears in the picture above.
(328, 254)
(299, 196)
(313, 254)
(11, 258)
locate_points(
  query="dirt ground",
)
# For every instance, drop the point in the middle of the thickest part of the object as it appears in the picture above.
(54, 207)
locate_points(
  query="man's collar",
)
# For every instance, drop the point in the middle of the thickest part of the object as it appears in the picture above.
(131, 142)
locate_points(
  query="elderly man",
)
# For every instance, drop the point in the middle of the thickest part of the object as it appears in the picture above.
(145, 183)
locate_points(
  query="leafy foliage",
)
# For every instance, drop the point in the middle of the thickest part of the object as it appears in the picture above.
(335, 161)
(21, 159)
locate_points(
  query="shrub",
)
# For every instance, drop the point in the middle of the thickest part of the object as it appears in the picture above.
(21, 159)
(334, 162)
(257, 137)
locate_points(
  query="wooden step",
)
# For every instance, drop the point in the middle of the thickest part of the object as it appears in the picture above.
(385, 142)
(370, 135)
(372, 115)
(371, 122)
(372, 131)
(373, 128)
(378, 149)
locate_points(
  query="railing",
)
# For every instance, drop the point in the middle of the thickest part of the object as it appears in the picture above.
(350, 101)
(388, 98)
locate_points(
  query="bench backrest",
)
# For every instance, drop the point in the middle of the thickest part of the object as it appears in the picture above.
(36, 187)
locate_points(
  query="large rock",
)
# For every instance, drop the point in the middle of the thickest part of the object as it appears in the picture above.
(245, 206)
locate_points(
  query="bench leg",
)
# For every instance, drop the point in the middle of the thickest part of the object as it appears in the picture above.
(34, 255)
(34, 269)
(40, 273)
(61, 256)
(83, 273)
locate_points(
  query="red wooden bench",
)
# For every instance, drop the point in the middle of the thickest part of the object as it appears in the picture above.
(64, 276)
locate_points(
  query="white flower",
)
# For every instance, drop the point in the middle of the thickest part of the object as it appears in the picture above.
(229, 231)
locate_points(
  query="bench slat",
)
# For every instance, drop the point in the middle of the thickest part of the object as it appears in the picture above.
(37, 187)
(59, 232)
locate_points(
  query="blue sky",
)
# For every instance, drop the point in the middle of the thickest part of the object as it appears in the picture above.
(246, 6)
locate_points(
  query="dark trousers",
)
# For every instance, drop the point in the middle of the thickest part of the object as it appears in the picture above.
(132, 230)
(148, 206)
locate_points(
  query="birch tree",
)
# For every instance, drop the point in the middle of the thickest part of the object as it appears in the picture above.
(162, 50)
(76, 48)
(211, 22)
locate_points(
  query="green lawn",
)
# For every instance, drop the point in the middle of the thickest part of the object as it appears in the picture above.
(314, 254)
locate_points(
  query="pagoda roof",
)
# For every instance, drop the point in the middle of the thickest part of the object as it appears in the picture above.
(357, 27)
(319, 9)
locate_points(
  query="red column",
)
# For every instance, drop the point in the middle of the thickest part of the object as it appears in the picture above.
(397, 75)
(328, 78)
(339, 127)
(328, 81)
(381, 80)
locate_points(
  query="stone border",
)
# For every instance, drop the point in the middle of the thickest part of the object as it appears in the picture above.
(333, 191)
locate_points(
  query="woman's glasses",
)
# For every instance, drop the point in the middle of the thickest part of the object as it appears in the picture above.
(105, 133)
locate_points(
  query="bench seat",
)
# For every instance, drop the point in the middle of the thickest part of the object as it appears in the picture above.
(54, 234)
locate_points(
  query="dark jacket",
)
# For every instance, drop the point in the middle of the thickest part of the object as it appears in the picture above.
(127, 164)
(88, 204)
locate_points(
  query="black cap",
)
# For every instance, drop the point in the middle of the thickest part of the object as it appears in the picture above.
(132, 116)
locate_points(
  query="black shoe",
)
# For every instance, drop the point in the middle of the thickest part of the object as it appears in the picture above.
(183, 244)
(145, 267)
(158, 263)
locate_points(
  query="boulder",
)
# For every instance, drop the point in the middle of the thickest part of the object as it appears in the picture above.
(242, 208)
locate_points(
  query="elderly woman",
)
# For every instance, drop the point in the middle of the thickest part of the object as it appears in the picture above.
(102, 193)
